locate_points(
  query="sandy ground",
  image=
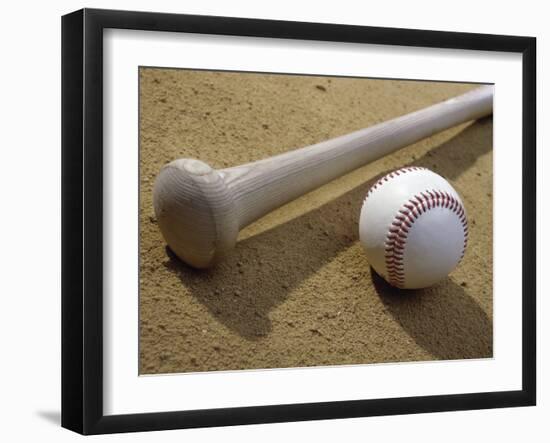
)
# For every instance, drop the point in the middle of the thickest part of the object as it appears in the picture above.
(298, 290)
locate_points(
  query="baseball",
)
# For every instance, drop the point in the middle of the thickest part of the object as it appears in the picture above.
(413, 227)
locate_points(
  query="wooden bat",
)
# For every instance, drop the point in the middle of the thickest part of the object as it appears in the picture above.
(200, 210)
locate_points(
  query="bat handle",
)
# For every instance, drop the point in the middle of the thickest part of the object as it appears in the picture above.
(260, 187)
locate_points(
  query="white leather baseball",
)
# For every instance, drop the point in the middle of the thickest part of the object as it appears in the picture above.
(413, 227)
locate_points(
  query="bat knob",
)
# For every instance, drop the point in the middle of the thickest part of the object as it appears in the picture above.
(195, 212)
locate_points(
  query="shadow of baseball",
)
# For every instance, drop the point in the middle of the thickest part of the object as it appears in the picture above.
(443, 319)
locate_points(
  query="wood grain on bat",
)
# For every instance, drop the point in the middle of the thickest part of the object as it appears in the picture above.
(200, 210)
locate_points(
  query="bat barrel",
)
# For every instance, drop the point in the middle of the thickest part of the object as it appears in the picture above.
(195, 212)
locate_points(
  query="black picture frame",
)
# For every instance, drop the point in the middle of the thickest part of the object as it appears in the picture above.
(82, 219)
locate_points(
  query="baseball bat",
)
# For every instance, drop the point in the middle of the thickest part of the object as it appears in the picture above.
(200, 210)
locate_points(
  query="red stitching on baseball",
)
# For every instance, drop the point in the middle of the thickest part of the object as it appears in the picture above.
(393, 175)
(396, 239)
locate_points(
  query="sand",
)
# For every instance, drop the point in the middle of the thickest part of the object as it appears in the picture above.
(298, 290)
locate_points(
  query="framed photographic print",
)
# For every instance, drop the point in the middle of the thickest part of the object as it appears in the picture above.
(269, 221)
